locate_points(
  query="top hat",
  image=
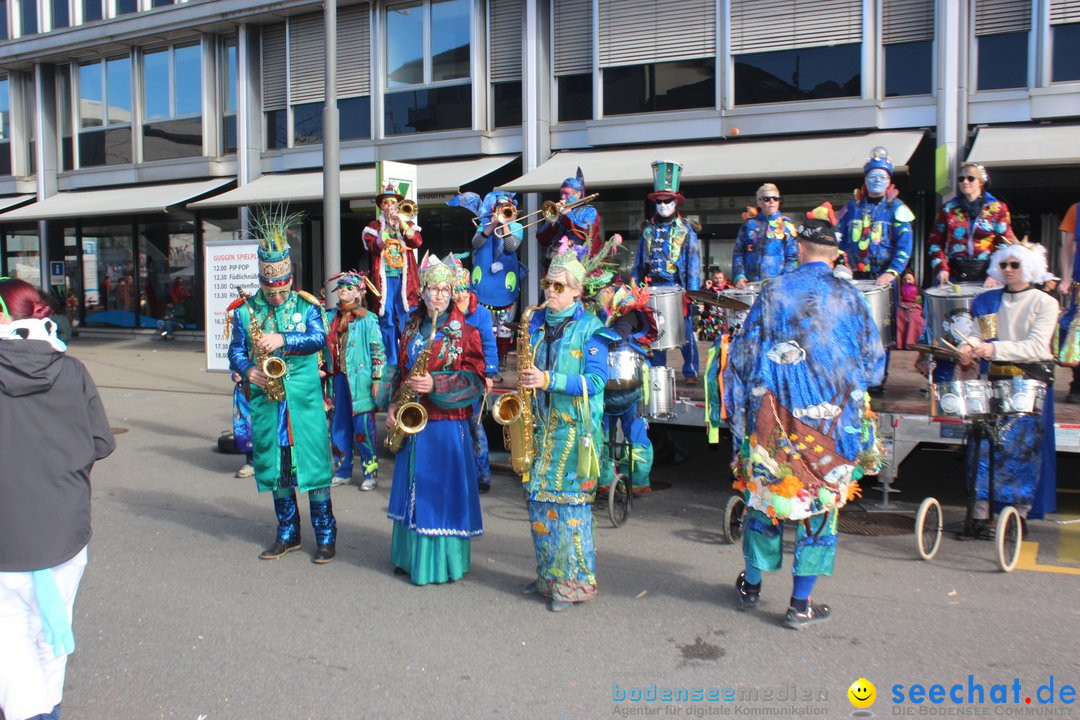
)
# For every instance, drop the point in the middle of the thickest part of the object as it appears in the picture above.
(666, 177)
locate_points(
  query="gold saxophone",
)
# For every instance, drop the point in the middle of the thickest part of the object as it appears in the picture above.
(514, 410)
(272, 366)
(411, 416)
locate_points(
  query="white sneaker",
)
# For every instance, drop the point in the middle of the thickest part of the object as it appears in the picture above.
(245, 471)
(336, 481)
(369, 484)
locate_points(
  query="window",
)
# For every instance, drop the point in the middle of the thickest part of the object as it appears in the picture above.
(504, 60)
(296, 89)
(63, 121)
(575, 97)
(908, 38)
(660, 86)
(573, 44)
(160, 3)
(4, 32)
(815, 73)
(1065, 39)
(1001, 31)
(172, 88)
(785, 55)
(441, 56)
(29, 24)
(105, 112)
(228, 100)
(61, 14)
(5, 126)
(657, 56)
(123, 7)
(91, 10)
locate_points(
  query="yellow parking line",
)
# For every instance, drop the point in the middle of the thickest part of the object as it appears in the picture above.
(1029, 553)
(1069, 542)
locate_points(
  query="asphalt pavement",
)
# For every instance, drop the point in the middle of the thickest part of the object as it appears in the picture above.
(178, 618)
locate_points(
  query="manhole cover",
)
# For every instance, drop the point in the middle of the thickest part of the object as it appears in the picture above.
(118, 430)
(865, 523)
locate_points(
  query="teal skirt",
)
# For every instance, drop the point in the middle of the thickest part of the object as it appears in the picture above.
(429, 558)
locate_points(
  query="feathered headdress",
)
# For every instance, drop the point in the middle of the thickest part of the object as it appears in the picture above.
(270, 225)
(434, 271)
(628, 297)
(824, 211)
(353, 278)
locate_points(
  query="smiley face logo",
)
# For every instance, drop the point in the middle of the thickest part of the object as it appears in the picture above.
(862, 693)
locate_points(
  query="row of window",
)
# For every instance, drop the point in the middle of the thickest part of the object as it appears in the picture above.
(31, 17)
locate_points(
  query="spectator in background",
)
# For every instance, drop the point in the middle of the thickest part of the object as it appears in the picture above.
(173, 321)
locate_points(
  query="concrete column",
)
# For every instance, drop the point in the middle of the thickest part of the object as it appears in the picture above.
(536, 120)
(46, 152)
(952, 82)
(331, 239)
(249, 115)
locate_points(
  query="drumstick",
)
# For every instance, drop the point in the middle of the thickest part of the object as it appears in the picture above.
(950, 345)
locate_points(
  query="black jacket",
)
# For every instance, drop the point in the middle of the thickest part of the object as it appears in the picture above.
(52, 430)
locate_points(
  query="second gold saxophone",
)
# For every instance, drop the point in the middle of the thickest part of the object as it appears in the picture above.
(411, 415)
(514, 410)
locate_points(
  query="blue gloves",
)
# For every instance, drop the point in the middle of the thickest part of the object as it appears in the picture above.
(54, 617)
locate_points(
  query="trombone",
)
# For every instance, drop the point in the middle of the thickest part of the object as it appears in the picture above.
(549, 209)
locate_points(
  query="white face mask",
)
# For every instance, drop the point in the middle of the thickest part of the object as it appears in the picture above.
(665, 209)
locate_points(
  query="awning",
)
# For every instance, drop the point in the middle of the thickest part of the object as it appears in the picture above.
(722, 161)
(432, 180)
(1036, 145)
(14, 201)
(142, 199)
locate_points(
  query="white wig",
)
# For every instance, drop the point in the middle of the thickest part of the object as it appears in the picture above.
(1032, 264)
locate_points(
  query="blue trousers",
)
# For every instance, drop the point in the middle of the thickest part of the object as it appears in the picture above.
(351, 434)
(392, 321)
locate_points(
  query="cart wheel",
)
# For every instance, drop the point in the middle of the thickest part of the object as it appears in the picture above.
(618, 504)
(928, 524)
(734, 512)
(1007, 538)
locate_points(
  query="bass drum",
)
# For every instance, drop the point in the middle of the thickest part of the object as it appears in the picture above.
(667, 305)
(880, 300)
(661, 393)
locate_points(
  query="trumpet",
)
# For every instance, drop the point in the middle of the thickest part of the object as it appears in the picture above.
(407, 210)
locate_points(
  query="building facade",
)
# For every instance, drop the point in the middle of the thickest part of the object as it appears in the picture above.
(132, 132)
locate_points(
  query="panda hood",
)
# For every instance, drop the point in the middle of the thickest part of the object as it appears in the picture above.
(28, 367)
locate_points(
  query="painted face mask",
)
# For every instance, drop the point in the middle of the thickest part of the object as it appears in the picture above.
(877, 182)
(665, 209)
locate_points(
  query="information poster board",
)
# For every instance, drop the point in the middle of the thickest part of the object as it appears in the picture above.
(228, 264)
(401, 175)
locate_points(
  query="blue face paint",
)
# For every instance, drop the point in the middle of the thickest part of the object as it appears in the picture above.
(877, 182)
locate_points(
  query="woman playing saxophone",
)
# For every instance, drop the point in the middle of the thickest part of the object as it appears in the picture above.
(434, 502)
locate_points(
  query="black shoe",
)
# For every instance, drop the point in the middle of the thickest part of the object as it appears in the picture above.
(749, 596)
(323, 554)
(876, 391)
(400, 571)
(815, 613)
(278, 549)
(484, 489)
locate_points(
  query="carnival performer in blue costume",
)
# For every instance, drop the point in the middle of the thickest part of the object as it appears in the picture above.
(289, 429)
(802, 431)
(355, 363)
(875, 229)
(581, 224)
(668, 254)
(496, 273)
(570, 347)
(624, 307)
(434, 502)
(1018, 322)
(765, 246)
(478, 316)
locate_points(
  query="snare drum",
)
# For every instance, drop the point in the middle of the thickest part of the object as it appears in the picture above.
(661, 393)
(667, 305)
(880, 300)
(624, 369)
(1017, 396)
(948, 313)
(734, 319)
(962, 399)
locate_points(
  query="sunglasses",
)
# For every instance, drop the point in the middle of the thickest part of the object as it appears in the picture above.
(553, 285)
(276, 293)
(1015, 265)
(770, 198)
(967, 178)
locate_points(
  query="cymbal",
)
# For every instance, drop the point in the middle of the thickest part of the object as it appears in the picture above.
(934, 350)
(711, 298)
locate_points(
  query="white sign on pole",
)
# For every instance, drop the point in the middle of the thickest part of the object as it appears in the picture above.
(228, 264)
